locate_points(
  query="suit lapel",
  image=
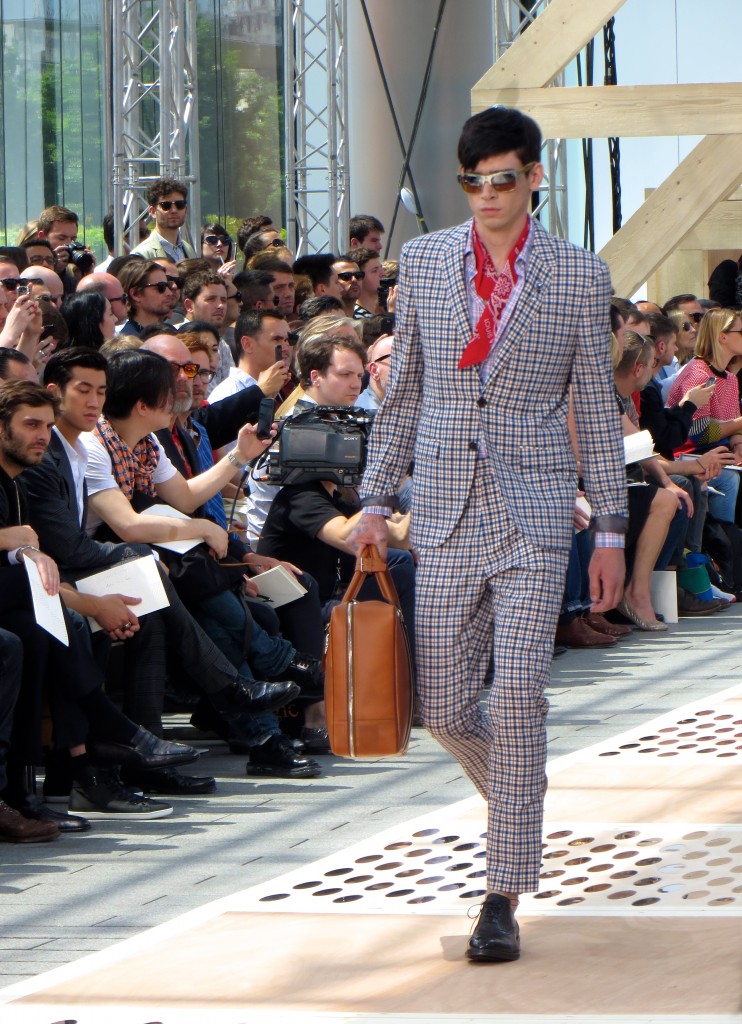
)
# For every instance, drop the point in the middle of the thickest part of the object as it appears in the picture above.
(59, 457)
(538, 273)
(453, 274)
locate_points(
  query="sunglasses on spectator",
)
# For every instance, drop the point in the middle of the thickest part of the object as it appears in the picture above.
(168, 204)
(11, 283)
(161, 286)
(380, 359)
(500, 181)
(348, 275)
(696, 317)
(206, 375)
(191, 370)
(688, 326)
(176, 283)
(293, 337)
(237, 296)
(218, 239)
(277, 243)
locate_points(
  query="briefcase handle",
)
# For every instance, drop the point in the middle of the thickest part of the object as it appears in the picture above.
(370, 563)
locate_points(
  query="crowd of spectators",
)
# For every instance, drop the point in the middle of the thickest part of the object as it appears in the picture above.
(129, 398)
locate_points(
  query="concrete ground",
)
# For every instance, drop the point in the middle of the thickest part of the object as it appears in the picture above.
(64, 899)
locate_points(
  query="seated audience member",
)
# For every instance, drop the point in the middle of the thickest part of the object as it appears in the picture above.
(259, 334)
(14, 365)
(309, 524)
(39, 253)
(89, 318)
(314, 307)
(168, 207)
(369, 261)
(73, 677)
(148, 294)
(350, 277)
(365, 232)
(188, 446)
(283, 284)
(320, 269)
(686, 312)
(59, 502)
(216, 246)
(44, 284)
(652, 509)
(108, 286)
(719, 342)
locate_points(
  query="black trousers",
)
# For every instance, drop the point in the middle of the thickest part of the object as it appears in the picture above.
(11, 666)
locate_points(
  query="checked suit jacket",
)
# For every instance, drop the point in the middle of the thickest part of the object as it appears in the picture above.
(443, 417)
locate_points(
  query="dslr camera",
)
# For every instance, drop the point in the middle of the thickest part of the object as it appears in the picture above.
(326, 442)
(81, 257)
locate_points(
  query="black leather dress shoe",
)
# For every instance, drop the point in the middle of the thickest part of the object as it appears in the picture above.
(33, 808)
(169, 782)
(315, 741)
(144, 753)
(496, 935)
(306, 670)
(277, 759)
(254, 698)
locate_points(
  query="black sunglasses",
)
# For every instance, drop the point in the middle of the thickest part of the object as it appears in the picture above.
(293, 337)
(11, 283)
(161, 286)
(174, 282)
(277, 243)
(167, 204)
(348, 275)
(218, 239)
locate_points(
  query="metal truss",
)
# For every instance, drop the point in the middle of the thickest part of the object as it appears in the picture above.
(512, 18)
(316, 108)
(153, 119)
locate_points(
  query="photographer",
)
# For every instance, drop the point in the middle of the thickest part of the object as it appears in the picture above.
(309, 523)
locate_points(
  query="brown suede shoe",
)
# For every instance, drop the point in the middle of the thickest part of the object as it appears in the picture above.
(14, 828)
(577, 633)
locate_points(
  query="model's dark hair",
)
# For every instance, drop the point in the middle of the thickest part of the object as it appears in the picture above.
(137, 375)
(499, 130)
(60, 366)
(83, 312)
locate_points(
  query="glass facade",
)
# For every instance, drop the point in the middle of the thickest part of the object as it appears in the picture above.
(52, 113)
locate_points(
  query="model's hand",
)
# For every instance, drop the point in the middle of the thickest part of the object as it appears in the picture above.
(249, 446)
(606, 574)
(371, 528)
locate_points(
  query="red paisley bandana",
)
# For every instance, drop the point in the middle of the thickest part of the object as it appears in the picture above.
(494, 290)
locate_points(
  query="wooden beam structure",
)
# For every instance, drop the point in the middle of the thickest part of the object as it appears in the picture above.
(549, 43)
(684, 212)
(710, 173)
(593, 112)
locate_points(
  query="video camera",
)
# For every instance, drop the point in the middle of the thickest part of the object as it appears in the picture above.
(326, 442)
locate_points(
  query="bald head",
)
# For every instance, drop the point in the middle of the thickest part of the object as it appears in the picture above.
(108, 285)
(173, 349)
(51, 287)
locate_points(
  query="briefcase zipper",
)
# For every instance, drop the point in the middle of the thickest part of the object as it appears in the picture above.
(351, 732)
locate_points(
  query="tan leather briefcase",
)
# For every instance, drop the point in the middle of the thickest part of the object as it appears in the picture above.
(368, 669)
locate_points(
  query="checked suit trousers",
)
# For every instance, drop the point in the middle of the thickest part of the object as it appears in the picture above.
(488, 590)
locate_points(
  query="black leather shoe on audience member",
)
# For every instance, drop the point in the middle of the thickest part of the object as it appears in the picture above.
(255, 698)
(496, 935)
(169, 782)
(101, 795)
(33, 808)
(306, 670)
(277, 759)
(145, 752)
(315, 741)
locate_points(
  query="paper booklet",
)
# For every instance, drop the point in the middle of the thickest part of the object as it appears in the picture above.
(167, 512)
(139, 577)
(278, 586)
(638, 446)
(47, 610)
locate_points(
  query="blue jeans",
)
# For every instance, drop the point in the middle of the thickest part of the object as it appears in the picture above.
(576, 598)
(722, 506)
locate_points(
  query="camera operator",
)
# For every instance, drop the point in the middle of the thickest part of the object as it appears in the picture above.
(309, 523)
(59, 227)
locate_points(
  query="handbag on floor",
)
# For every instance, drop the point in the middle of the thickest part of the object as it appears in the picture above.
(368, 669)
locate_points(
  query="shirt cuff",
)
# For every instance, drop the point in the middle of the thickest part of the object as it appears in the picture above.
(601, 539)
(377, 510)
(13, 558)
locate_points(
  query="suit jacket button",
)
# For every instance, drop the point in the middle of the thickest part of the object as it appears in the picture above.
(473, 446)
(481, 402)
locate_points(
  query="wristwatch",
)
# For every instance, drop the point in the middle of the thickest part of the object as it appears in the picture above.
(242, 466)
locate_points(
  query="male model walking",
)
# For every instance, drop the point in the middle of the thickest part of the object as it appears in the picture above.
(497, 322)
